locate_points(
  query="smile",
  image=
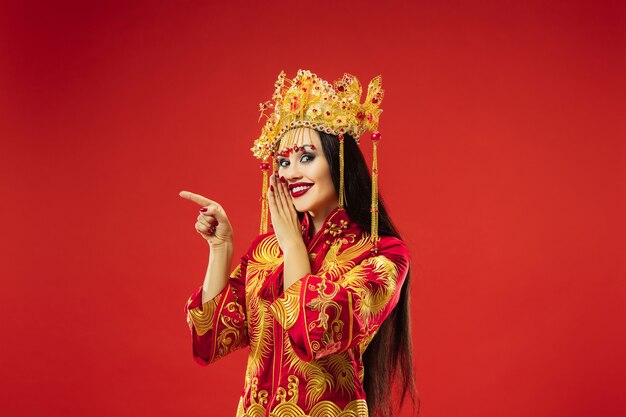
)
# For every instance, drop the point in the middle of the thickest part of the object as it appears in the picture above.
(299, 190)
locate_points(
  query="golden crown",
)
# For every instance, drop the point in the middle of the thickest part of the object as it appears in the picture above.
(309, 101)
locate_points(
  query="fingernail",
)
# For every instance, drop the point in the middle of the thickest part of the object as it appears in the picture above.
(282, 179)
(203, 209)
(214, 223)
(271, 187)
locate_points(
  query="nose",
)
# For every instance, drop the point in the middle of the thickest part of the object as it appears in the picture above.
(291, 173)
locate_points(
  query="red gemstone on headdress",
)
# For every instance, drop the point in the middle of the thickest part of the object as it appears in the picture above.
(375, 100)
(265, 165)
(376, 136)
(360, 115)
(340, 88)
(338, 120)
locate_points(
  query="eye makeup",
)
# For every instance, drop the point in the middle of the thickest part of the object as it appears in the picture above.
(309, 155)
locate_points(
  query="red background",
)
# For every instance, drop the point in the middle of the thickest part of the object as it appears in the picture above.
(502, 162)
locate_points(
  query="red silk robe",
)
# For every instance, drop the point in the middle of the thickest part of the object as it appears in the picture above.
(305, 343)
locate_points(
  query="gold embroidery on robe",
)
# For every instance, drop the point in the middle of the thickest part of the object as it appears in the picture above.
(286, 310)
(234, 331)
(336, 263)
(288, 404)
(265, 258)
(372, 302)
(333, 331)
(202, 316)
(318, 379)
(315, 369)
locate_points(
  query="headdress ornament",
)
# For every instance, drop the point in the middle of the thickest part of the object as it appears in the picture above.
(309, 101)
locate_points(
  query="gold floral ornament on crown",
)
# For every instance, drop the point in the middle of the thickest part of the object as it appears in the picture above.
(309, 101)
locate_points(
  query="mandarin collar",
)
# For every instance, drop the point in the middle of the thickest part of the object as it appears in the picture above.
(335, 225)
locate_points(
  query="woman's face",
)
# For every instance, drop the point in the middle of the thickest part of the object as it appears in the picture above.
(307, 172)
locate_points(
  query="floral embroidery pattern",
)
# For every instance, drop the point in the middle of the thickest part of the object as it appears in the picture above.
(333, 330)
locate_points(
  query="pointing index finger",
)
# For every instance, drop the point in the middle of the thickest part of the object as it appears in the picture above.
(196, 198)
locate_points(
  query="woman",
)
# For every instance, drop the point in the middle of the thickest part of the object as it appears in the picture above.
(322, 302)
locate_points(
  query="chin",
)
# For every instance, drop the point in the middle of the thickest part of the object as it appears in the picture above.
(301, 208)
(301, 205)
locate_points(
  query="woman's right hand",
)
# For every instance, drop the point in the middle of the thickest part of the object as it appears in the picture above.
(212, 224)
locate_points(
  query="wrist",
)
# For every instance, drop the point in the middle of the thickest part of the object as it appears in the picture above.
(223, 247)
(294, 246)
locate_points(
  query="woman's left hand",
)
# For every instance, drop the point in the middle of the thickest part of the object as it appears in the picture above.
(284, 216)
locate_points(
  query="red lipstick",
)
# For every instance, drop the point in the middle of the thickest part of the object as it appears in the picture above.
(302, 187)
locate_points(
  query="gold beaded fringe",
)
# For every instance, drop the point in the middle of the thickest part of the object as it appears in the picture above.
(264, 202)
(341, 181)
(374, 209)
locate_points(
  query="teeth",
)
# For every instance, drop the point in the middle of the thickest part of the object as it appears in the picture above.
(300, 188)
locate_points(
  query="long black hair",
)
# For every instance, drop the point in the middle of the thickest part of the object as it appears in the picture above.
(388, 357)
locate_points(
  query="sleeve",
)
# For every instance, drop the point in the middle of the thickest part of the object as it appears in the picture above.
(325, 315)
(219, 326)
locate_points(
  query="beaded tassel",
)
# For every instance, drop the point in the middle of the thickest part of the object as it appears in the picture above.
(374, 209)
(264, 204)
(341, 169)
